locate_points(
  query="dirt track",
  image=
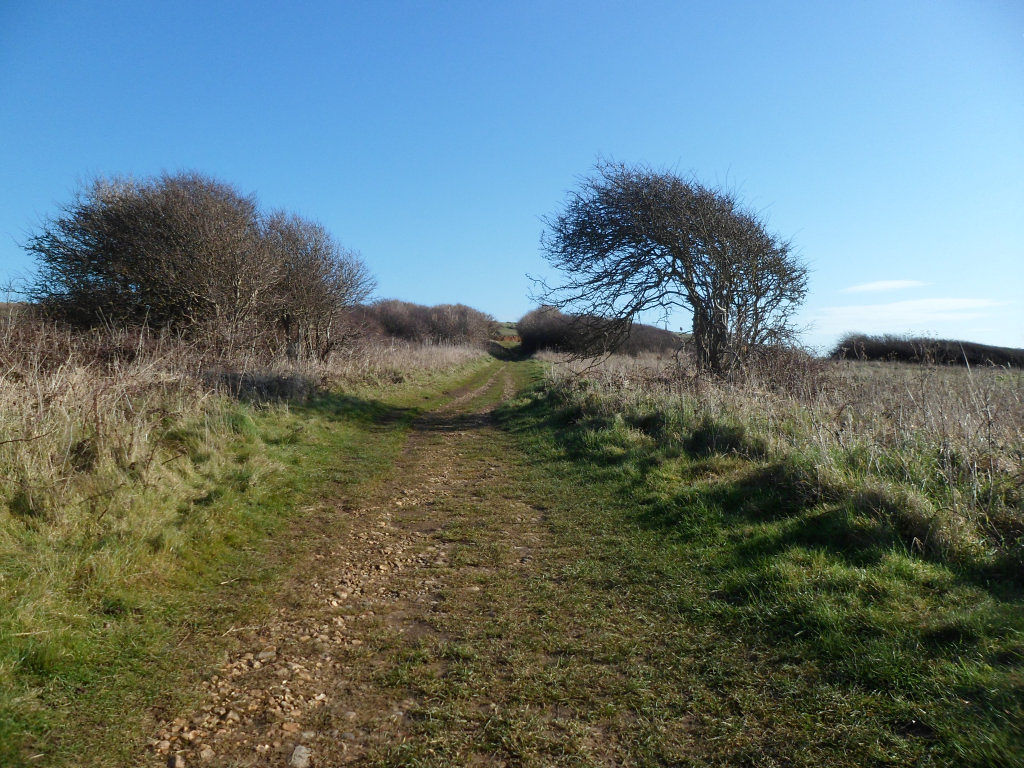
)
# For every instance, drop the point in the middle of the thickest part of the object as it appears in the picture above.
(303, 686)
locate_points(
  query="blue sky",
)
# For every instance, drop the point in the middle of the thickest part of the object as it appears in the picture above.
(885, 138)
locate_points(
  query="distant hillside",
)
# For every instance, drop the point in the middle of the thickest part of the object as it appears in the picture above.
(858, 346)
(505, 330)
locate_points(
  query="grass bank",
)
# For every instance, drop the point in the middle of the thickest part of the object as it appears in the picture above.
(146, 516)
(712, 603)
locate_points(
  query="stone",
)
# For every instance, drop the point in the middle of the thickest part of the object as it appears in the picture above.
(206, 754)
(300, 757)
(176, 761)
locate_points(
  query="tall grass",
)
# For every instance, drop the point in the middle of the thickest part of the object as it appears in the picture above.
(936, 452)
(87, 420)
(125, 460)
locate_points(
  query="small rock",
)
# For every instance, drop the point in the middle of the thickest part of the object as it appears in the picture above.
(290, 727)
(206, 754)
(176, 761)
(300, 757)
(163, 747)
(267, 653)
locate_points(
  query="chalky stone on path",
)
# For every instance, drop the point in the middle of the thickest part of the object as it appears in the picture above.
(300, 691)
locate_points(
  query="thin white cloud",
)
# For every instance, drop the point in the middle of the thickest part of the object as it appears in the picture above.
(914, 315)
(883, 285)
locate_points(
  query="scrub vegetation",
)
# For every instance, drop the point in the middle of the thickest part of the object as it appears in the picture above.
(800, 583)
(250, 516)
(909, 349)
(138, 474)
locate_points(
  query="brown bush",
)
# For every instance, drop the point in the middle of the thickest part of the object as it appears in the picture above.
(440, 324)
(548, 328)
(909, 349)
(192, 254)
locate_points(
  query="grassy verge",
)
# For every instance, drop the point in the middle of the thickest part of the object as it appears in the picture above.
(106, 619)
(701, 610)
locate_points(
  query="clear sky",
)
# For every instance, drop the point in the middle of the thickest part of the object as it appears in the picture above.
(885, 138)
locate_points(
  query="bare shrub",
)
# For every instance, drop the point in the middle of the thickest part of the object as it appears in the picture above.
(909, 349)
(189, 253)
(318, 283)
(548, 328)
(440, 324)
(173, 251)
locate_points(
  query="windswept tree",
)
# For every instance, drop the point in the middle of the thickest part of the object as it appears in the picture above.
(632, 239)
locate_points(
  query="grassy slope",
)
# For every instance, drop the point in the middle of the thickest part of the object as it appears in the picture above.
(115, 645)
(730, 623)
(681, 609)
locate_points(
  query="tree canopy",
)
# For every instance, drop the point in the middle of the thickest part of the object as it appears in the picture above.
(632, 239)
(189, 252)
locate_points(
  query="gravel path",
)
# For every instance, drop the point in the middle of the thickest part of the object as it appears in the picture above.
(300, 691)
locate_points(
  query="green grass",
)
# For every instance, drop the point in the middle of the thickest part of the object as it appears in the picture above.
(687, 599)
(708, 588)
(105, 624)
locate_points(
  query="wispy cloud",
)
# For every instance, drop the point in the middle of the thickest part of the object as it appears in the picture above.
(883, 285)
(914, 315)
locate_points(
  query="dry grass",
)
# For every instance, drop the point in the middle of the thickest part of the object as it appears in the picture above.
(938, 449)
(394, 361)
(126, 462)
(88, 419)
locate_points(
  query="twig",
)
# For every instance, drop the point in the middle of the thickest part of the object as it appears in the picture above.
(26, 439)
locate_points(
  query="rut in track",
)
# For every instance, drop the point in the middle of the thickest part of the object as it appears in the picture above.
(303, 686)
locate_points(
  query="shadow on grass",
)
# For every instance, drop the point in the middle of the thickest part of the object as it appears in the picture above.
(363, 411)
(375, 412)
(767, 508)
(507, 354)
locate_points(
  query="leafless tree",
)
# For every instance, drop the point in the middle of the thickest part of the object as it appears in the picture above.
(191, 253)
(318, 283)
(632, 239)
(178, 250)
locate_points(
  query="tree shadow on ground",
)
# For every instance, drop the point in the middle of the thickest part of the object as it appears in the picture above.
(768, 509)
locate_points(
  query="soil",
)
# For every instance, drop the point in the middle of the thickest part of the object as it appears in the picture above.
(303, 687)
